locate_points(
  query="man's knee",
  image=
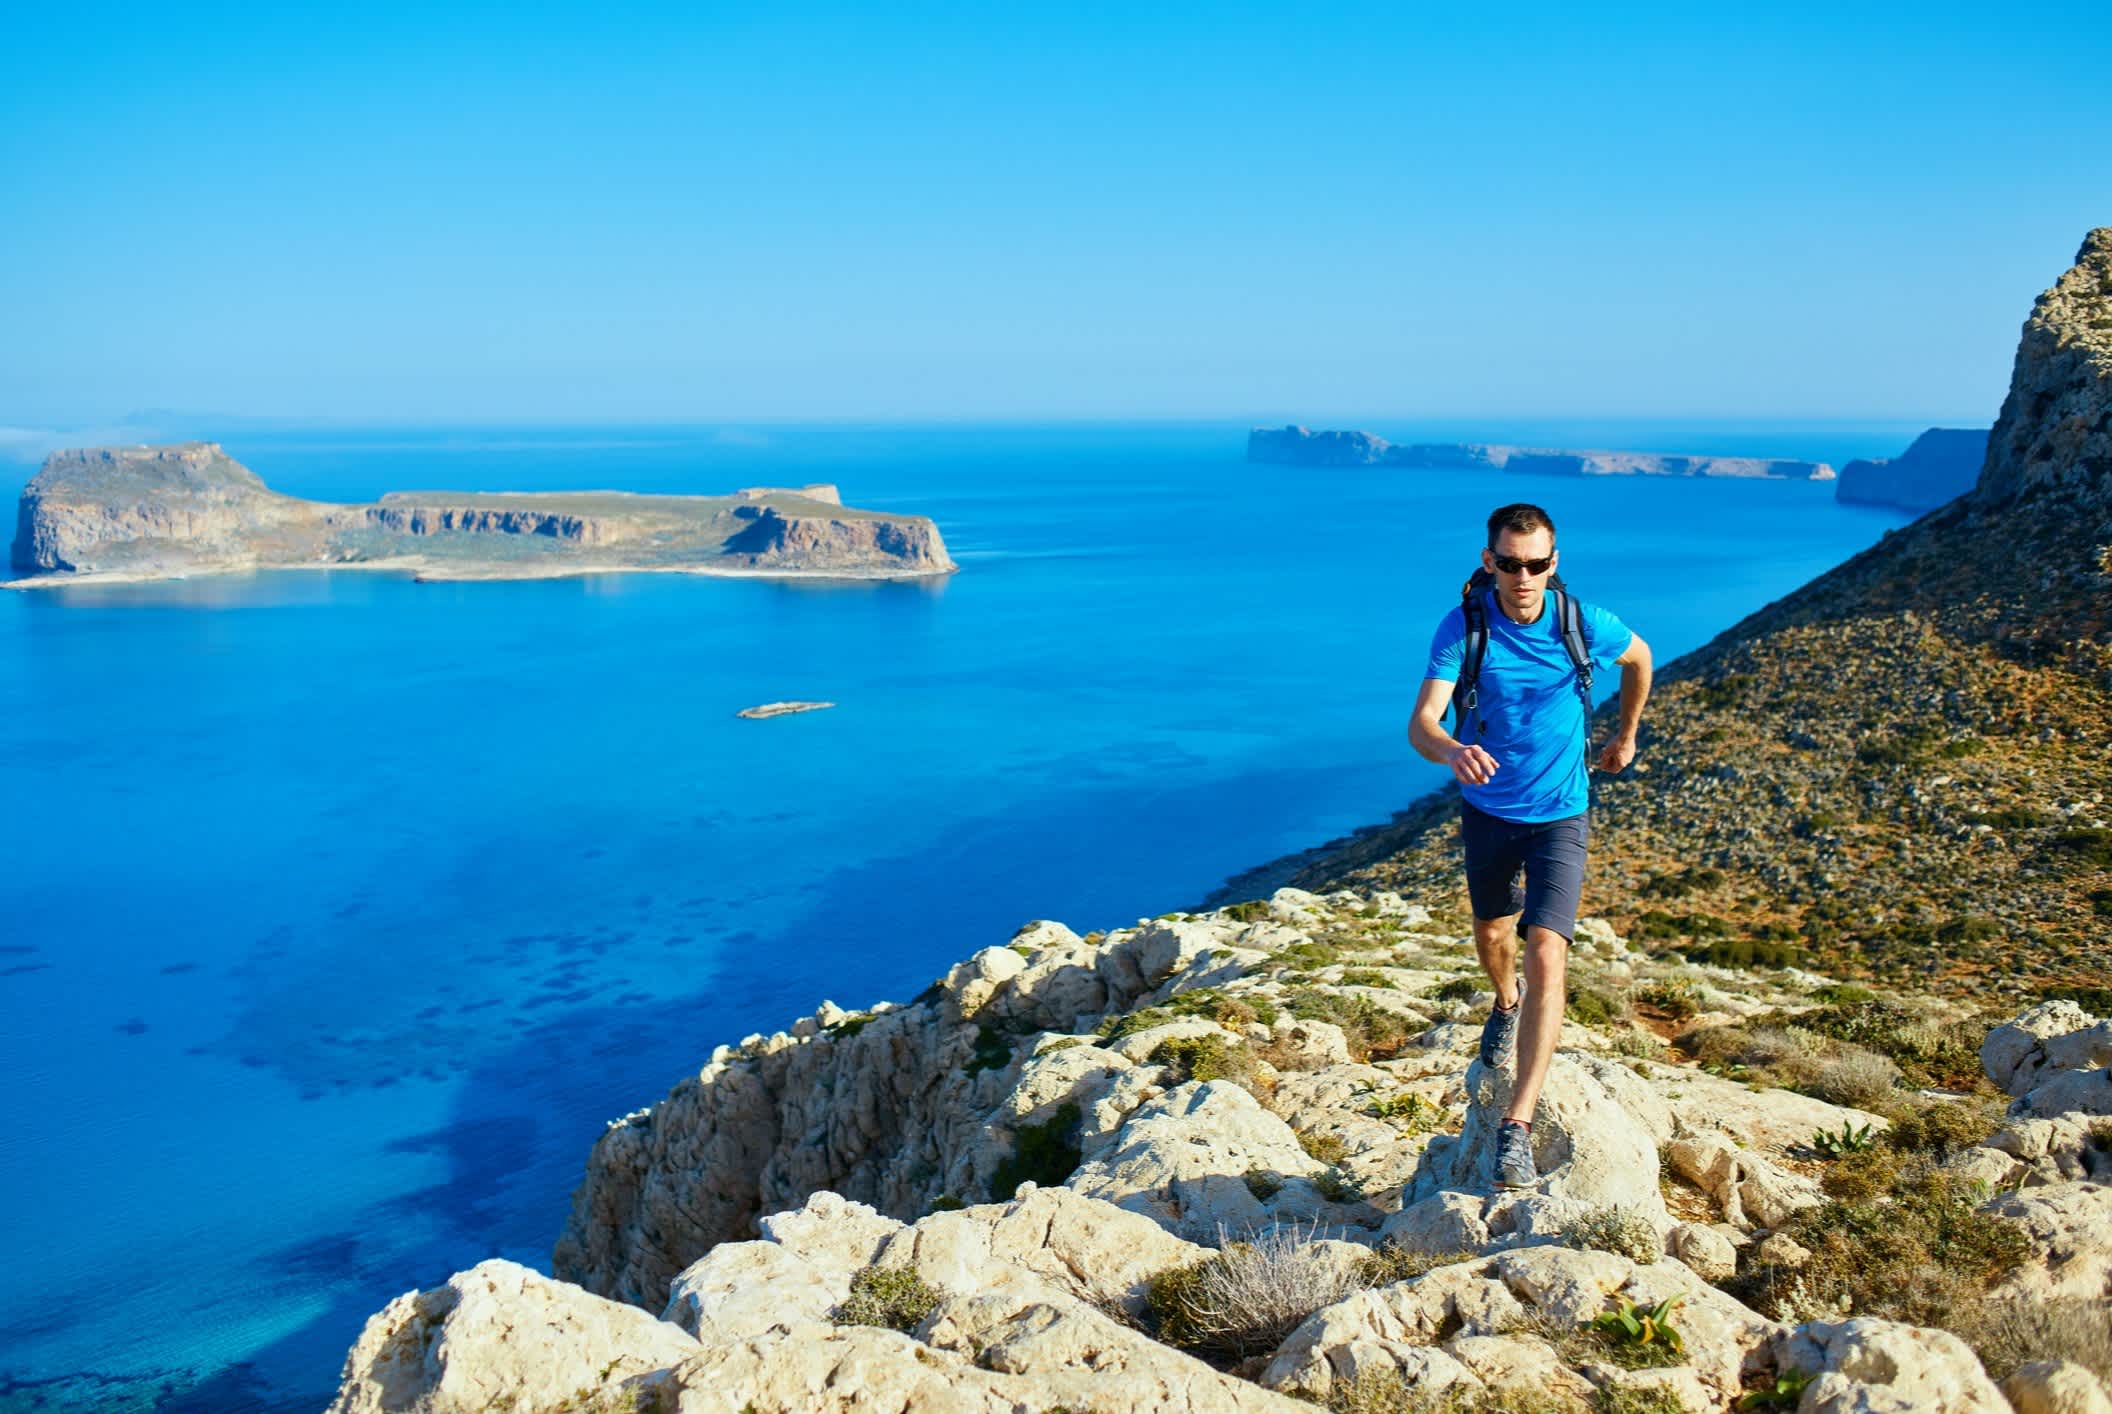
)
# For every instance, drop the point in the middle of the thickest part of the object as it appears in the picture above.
(1490, 930)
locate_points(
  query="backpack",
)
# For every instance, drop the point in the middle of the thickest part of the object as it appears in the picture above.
(1569, 622)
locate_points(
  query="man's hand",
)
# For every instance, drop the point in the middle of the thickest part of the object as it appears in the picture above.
(1616, 754)
(1472, 766)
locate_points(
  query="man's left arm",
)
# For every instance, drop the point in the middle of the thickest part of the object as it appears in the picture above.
(1634, 664)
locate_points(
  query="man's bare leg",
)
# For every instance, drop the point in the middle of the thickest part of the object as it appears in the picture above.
(1547, 993)
(1496, 944)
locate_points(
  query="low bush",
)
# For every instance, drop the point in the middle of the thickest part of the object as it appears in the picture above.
(1916, 1249)
(894, 1297)
(1677, 1000)
(1252, 910)
(993, 1050)
(1590, 1006)
(1938, 1128)
(1371, 1031)
(1247, 1297)
(1409, 1111)
(1851, 1076)
(2009, 1334)
(1640, 1337)
(1326, 1148)
(1624, 1232)
(1363, 977)
(1388, 1264)
(1459, 989)
(1204, 1058)
(1043, 1154)
(1378, 1391)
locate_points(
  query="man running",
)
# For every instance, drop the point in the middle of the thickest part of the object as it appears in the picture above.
(1524, 794)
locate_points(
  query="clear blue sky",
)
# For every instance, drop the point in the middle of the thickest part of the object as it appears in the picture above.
(466, 212)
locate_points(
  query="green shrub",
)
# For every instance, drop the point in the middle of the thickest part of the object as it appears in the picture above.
(1252, 910)
(1677, 1000)
(1938, 1128)
(1325, 1148)
(1371, 1031)
(1044, 1154)
(1203, 1058)
(1459, 989)
(1843, 994)
(1408, 1110)
(993, 1050)
(1678, 886)
(1364, 977)
(1640, 1337)
(1918, 1249)
(1849, 1139)
(1621, 1231)
(851, 1025)
(2090, 848)
(1388, 1264)
(894, 1297)
(1588, 1006)
(1263, 1183)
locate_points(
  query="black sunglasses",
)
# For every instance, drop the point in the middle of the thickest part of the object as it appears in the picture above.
(1511, 566)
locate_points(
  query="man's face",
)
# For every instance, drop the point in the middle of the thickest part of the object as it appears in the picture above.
(1521, 589)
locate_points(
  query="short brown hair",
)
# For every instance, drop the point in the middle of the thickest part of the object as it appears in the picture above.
(1521, 517)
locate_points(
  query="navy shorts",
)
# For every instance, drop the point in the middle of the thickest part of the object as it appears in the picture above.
(1551, 855)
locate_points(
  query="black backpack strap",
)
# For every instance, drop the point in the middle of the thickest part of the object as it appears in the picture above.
(1466, 693)
(1569, 622)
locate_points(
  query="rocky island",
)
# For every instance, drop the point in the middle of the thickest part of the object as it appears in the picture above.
(1829, 1129)
(1300, 446)
(139, 513)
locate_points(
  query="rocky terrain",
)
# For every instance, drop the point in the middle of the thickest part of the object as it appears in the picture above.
(1240, 1159)
(157, 512)
(1940, 465)
(1299, 446)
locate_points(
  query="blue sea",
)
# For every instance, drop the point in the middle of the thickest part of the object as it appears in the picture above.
(338, 913)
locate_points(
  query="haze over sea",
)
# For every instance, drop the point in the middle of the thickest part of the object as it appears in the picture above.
(342, 911)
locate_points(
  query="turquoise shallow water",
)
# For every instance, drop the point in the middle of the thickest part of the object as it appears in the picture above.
(340, 911)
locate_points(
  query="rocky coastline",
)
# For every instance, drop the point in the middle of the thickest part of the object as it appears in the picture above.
(1301, 446)
(1238, 1159)
(127, 514)
(1939, 466)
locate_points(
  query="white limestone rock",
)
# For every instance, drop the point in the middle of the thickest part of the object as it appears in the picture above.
(1460, 1308)
(1868, 1366)
(2056, 1387)
(2069, 1226)
(502, 1336)
(2055, 1035)
(1707, 1252)
(1592, 1152)
(1182, 1159)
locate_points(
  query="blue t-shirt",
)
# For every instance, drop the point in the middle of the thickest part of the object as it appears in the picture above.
(1528, 698)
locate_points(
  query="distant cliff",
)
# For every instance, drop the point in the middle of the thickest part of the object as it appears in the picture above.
(155, 512)
(1943, 464)
(1299, 446)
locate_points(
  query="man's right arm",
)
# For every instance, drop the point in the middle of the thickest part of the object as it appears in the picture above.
(1426, 733)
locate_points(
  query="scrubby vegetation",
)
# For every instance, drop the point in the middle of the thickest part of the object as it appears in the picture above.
(894, 1297)
(1044, 1154)
(1249, 1296)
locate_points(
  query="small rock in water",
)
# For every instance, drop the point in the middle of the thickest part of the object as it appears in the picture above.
(779, 709)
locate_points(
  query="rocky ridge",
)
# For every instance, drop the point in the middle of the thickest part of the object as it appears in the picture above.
(155, 512)
(1049, 1144)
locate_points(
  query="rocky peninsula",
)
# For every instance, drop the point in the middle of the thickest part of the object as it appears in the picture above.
(1300, 446)
(1941, 465)
(1238, 1158)
(142, 513)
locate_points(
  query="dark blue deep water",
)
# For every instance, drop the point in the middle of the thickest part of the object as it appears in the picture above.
(338, 912)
